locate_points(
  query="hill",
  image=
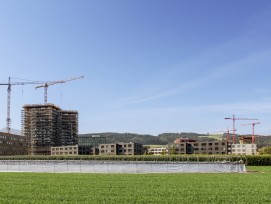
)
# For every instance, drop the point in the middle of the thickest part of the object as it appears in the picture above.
(166, 138)
(161, 139)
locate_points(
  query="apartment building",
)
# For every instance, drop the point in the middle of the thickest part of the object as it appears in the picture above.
(65, 150)
(11, 144)
(157, 150)
(48, 126)
(121, 148)
(183, 146)
(244, 149)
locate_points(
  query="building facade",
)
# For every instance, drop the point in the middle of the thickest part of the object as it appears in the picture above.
(69, 127)
(244, 149)
(48, 126)
(183, 146)
(121, 148)
(64, 150)
(11, 144)
(89, 144)
(157, 150)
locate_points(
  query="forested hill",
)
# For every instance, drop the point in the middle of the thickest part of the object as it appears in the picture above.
(167, 138)
(161, 139)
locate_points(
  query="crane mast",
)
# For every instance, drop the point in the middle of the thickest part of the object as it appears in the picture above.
(8, 121)
(9, 84)
(46, 85)
(228, 133)
(233, 125)
(253, 130)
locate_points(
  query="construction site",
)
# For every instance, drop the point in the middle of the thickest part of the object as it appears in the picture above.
(44, 125)
(47, 126)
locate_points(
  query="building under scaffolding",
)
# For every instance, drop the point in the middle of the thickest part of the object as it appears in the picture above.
(48, 126)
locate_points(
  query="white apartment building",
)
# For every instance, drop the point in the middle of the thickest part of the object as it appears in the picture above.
(157, 150)
(244, 149)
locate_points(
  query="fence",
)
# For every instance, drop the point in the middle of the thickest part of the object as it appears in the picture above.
(73, 166)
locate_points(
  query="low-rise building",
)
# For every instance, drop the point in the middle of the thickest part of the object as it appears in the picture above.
(11, 144)
(244, 149)
(89, 144)
(121, 148)
(65, 150)
(157, 150)
(185, 146)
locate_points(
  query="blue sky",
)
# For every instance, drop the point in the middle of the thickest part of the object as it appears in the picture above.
(150, 66)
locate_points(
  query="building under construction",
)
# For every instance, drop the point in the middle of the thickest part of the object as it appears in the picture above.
(48, 126)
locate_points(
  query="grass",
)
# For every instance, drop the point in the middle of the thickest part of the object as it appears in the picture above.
(260, 169)
(214, 136)
(136, 188)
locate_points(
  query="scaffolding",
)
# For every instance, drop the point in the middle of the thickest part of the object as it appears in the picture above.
(47, 126)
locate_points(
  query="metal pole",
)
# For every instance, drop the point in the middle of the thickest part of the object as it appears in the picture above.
(8, 106)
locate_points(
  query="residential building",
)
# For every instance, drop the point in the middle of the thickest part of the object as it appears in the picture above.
(69, 127)
(48, 126)
(121, 148)
(156, 149)
(65, 150)
(196, 147)
(244, 149)
(11, 144)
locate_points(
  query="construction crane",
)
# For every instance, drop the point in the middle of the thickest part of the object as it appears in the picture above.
(228, 133)
(9, 84)
(233, 125)
(253, 129)
(46, 85)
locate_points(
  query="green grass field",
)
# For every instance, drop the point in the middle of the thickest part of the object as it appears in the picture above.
(252, 187)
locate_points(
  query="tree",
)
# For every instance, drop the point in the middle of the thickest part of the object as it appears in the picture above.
(265, 150)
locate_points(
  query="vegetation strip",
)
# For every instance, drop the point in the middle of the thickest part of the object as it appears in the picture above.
(251, 160)
(141, 188)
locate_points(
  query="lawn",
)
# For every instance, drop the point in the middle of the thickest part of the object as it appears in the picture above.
(137, 188)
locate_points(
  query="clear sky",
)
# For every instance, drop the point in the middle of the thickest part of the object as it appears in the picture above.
(150, 66)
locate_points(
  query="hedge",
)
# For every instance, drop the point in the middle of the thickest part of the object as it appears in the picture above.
(251, 160)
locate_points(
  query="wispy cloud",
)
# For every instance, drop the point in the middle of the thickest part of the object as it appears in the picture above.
(262, 91)
(215, 73)
(224, 109)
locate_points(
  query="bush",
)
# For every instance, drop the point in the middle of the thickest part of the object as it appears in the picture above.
(251, 160)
